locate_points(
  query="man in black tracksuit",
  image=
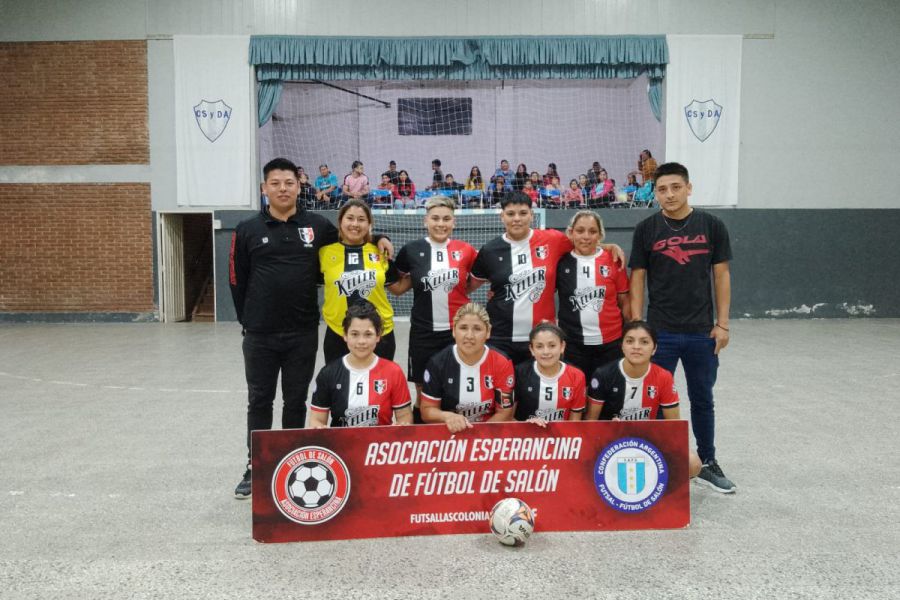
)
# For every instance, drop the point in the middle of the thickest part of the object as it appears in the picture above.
(273, 270)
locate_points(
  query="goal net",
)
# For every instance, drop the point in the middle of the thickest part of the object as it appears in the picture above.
(571, 123)
(475, 226)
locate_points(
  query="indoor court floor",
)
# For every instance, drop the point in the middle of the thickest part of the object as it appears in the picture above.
(120, 445)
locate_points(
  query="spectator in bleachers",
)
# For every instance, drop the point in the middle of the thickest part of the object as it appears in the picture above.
(520, 177)
(404, 191)
(585, 187)
(392, 172)
(594, 174)
(505, 173)
(306, 194)
(631, 186)
(437, 177)
(475, 181)
(326, 186)
(451, 185)
(550, 174)
(497, 191)
(535, 179)
(604, 192)
(530, 191)
(573, 196)
(356, 184)
(646, 166)
(386, 183)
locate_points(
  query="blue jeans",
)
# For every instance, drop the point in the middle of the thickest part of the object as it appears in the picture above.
(701, 365)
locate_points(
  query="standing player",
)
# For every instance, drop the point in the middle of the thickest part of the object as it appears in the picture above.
(682, 253)
(633, 388)
(593, 296)
(521, 268)
(468, 382)
(354, 271)
(360, 389)
(273, 269)
(437, 268)
(548, 389)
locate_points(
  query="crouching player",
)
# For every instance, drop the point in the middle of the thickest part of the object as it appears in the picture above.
(633, 388)
(548, 389)
(468, 382)
(360, 389)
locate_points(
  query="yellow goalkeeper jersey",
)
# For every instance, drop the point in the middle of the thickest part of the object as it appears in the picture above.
(353, 274)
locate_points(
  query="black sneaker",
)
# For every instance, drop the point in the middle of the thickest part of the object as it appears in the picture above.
(711, 474)
(244, 489)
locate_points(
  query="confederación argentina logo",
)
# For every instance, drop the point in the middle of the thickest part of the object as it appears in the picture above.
(311, 485)
(703, 117)
(631, 475)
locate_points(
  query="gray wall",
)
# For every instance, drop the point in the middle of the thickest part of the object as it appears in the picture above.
(787, 263)
(818, 123)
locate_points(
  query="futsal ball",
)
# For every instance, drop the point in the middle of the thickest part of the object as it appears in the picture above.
(512, 521)
(311, 485)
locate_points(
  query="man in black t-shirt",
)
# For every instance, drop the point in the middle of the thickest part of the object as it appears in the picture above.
(682, 253)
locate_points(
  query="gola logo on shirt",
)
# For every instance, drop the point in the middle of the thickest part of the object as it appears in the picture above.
(380, 386)
(671, 247)
(592, 297)
(356, 281)
(446, 279)
(361, 415)
(527, 283)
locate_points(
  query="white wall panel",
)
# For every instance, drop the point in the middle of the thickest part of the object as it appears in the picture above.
(56, 20)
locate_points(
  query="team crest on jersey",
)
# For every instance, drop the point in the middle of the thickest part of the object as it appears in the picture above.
(456, 254)
(374, 257)
(651, 392)
(530, 283)
(311, 485)
(380, 386)
(489, 382)
(604, 271)
(362, 282)
(542, 252)
(307, 234)
(567, 393)
(445, 279)
(588, 297)
(510, 381)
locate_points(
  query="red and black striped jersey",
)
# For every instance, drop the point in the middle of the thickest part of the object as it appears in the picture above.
(474, 391)
(360, 397)
(588, 288)
(632, 399)
(523, 279)
(439, 273)
(550, 398)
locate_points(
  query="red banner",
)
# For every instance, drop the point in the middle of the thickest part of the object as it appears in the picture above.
(331, 484)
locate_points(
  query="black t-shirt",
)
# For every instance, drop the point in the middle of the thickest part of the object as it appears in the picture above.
(273, 270)
(678, 257)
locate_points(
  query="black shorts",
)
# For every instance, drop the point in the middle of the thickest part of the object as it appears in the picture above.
(422, 346)
(517, 352)
(334, 346)
(590, 358)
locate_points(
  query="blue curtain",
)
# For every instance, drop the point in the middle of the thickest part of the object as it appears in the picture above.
(294, 58)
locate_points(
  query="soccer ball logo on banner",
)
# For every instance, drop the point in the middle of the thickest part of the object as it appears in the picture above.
(311, 485)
